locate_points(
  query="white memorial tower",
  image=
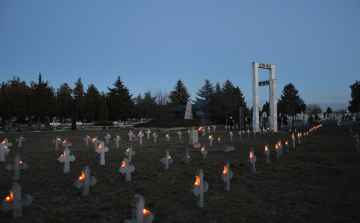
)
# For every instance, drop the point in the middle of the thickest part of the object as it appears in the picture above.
(272, 93)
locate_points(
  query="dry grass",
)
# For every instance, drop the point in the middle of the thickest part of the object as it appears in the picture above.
(315, 182)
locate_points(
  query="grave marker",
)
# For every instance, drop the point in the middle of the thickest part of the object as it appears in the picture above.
(199, 188)
(254, 133)
(107, 137)
(20, 140)
(231, 135)
(57, 140)
(15, 201)
(203, 151)
(148, 132)
(267, 153)
(95, 141)
(117, 139)
(277, 152)
(141, 135)
(155, 136)
(126, 169)
(179, 134)
(4, 149)
(187, 157)
(240, 133)
(211, 139)
(17, 166)
(208, 128)
(85, 181)
(130, 136)
(66, 144)
(139, 213)
(102, 149)
(86, 139)
(214, 128)
(287, 146)
(129, 153)
(293, 139)
(248, 131)
(226, 175)
(166, 160)
(219, 140)
(252, 160)
(167, 137)
(66, 159)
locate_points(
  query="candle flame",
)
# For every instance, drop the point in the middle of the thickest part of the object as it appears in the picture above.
(167, 135)
(128, 150)
(99, 147)
(251, 154)
(279, 143)
(21, 162)
(59, 139)
(210, 137)
(3, 142)
(123, 164)
(8, 198)
(266, 148)
(188, 156)
(225, 170)
(64, 141)
(169, 157)
(276, 146)
(64, 154)
(219, 139)
(5, 147)
(80, 178)
(197, 181)
(202, 149)
(145, 211)
(286, 142)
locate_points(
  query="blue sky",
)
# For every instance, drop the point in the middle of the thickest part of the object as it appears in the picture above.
(151, 44)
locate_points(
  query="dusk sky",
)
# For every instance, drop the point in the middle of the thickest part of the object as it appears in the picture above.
(151, 44)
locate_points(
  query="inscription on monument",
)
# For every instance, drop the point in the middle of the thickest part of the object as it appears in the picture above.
(264, 65)
(263, 83)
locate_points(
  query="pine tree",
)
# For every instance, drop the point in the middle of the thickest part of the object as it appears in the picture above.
(328, 110)
(179, 98)
(65, 101)
(203, 104)
(78, 92)
(103, 111)
(43, 100)
(91, 103)
(290, 101)
(121, 106)
(355, 95)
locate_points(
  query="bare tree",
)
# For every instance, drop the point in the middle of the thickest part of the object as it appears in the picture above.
(313, 108)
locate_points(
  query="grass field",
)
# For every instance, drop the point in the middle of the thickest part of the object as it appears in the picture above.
(318, 181)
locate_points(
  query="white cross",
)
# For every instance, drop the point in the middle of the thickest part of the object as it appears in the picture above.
(117, 139)
(252, 159)
(17, 166)
(139, 214)
(199, 188)
(20, 140)
(226, 175)
(167, 137)
(267, 153)
(86, 139)
(148, 134)
(107, 137)
(140, 136)
(179, 134)
(129, 153)
(126, 169)
(66, 159)
(15, 201)
(4, 149)
(187, 157)
(85, 181)
(130, 135)
(102, 149)
(211, 139)
(203, 151)
(66, 143)
(57, 140)
(166, 160)
(155, 136)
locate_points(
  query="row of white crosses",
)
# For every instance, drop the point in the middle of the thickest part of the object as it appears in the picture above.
(14, 201)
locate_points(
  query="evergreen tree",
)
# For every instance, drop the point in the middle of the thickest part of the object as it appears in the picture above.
(328, 110)
(103, 111)
(79, 96)
(91, 103)
(266, 108)
(216, 102)
(203, 103)
(121, 106)
(355, 95)
(290, 101)
(15, 99)
(179, 98)
(43, 100)
(73, 122)
(65, 101)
